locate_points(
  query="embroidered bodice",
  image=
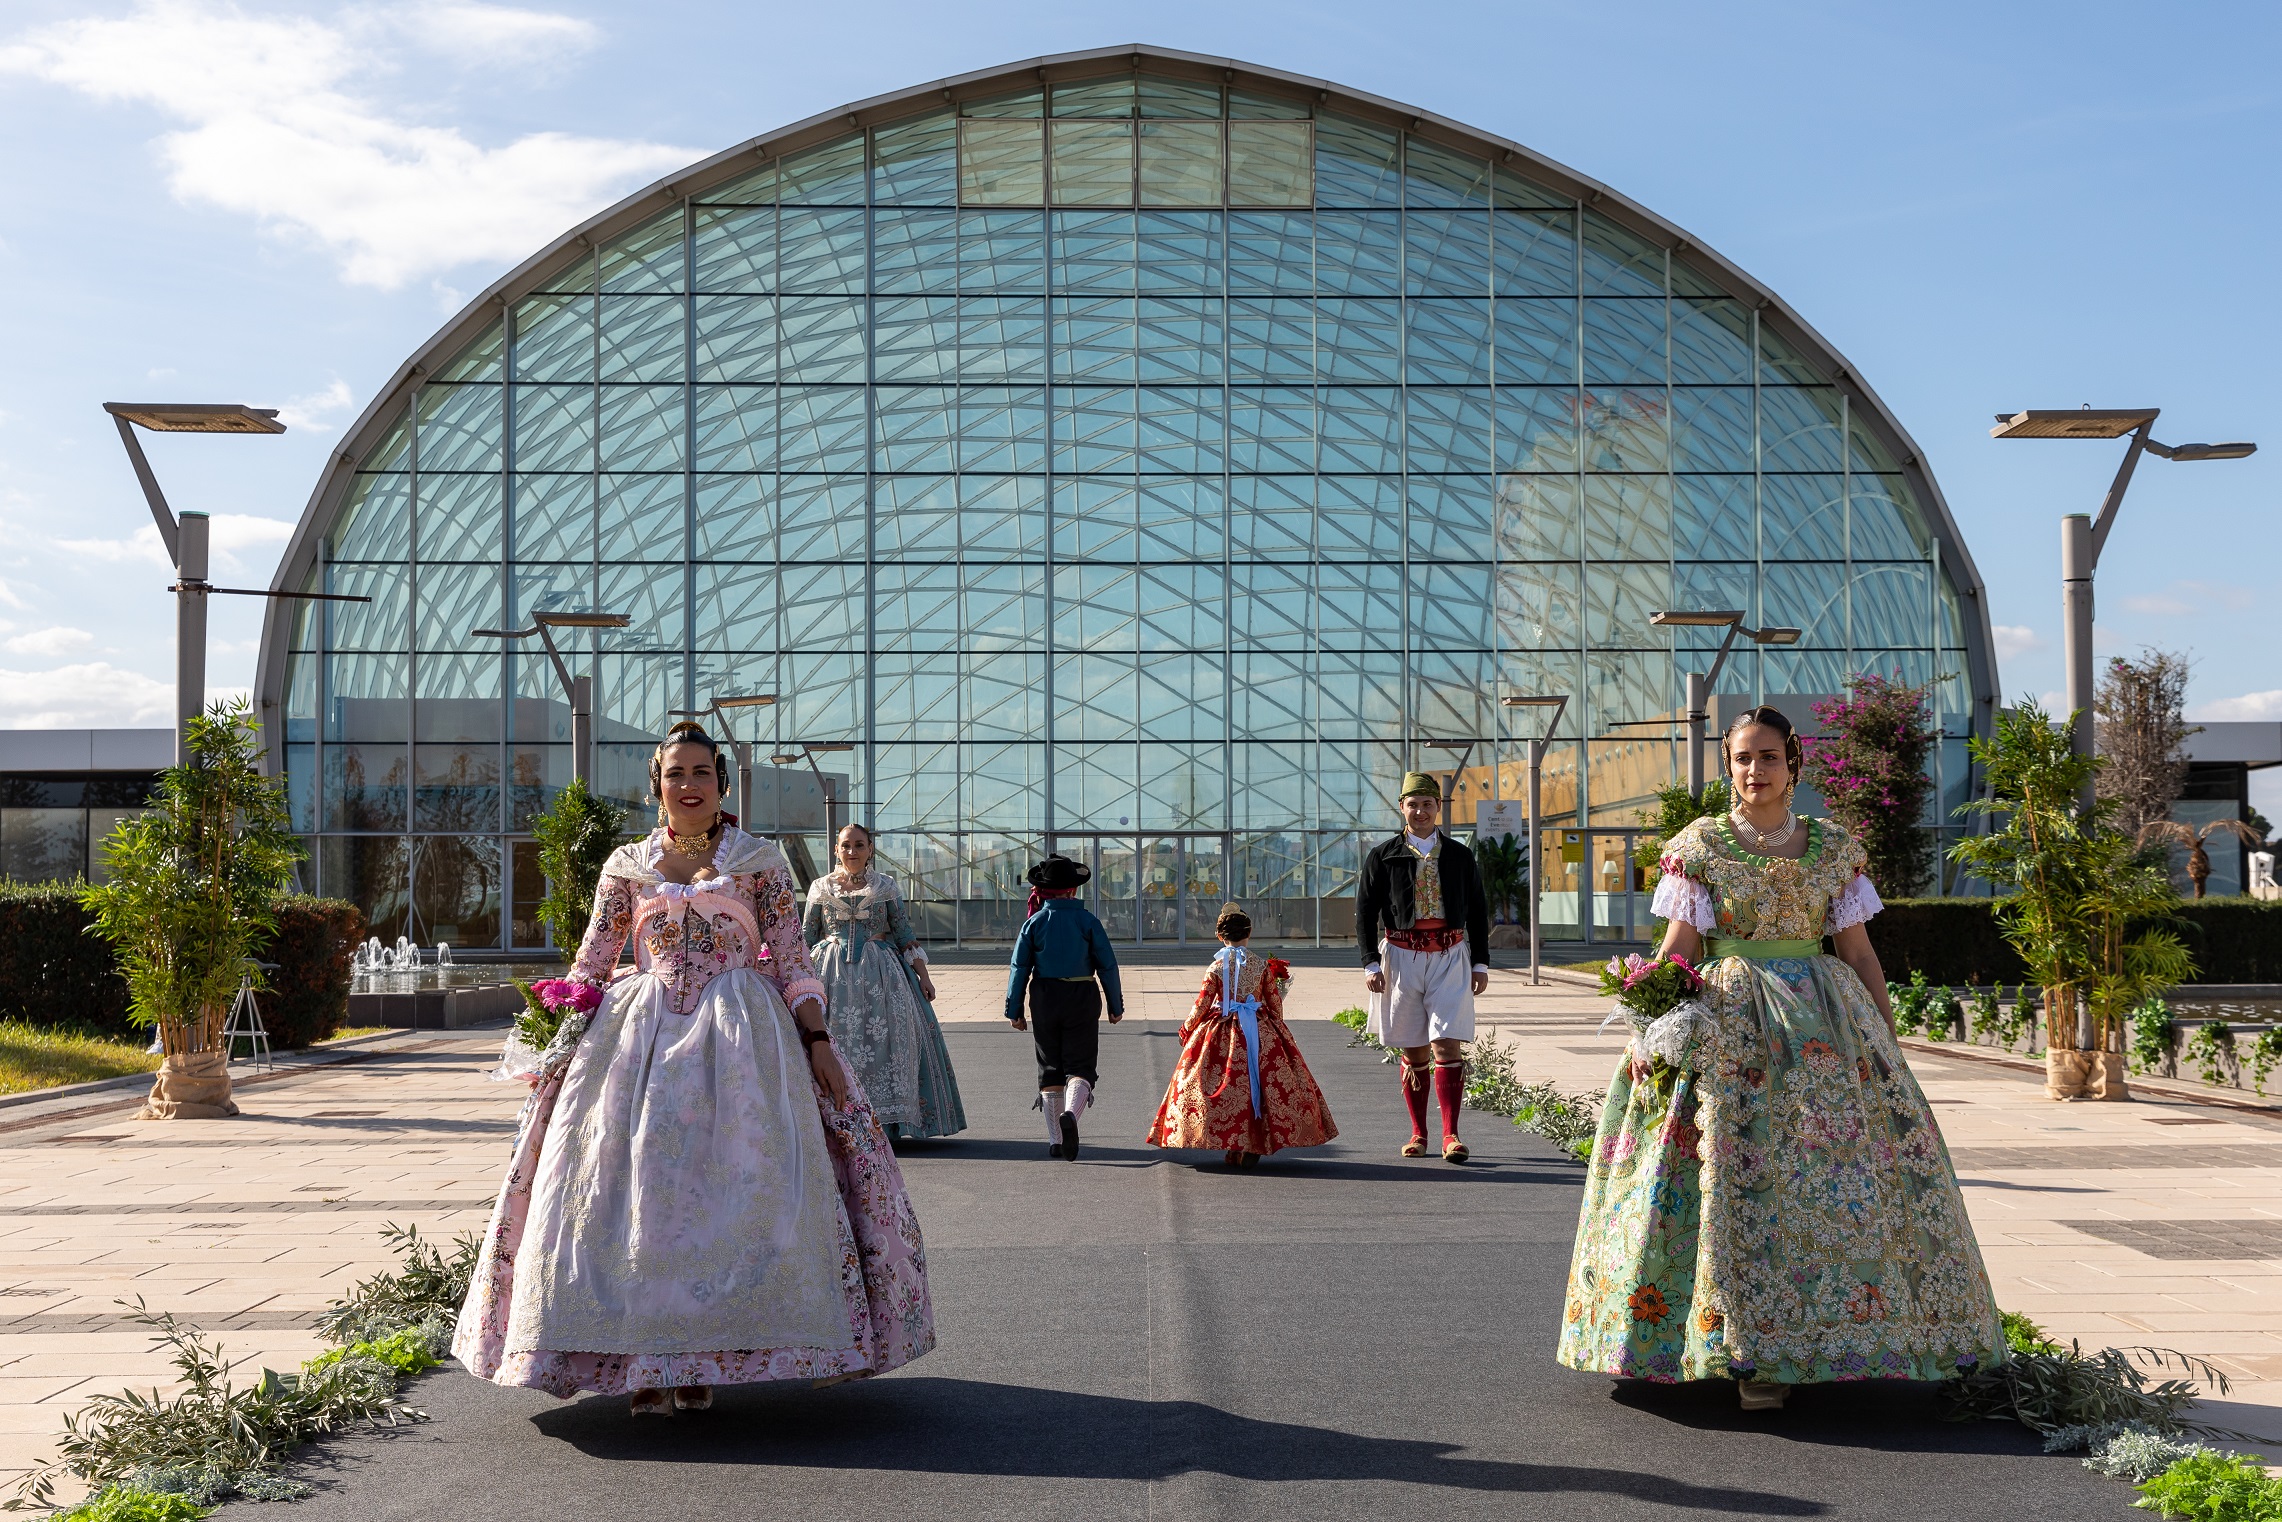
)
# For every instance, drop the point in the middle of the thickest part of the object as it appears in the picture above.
(1262, 977)
(872, 908)
(1713, 883)
(687, 934)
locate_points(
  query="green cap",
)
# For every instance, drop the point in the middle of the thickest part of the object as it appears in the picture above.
(1415, 783)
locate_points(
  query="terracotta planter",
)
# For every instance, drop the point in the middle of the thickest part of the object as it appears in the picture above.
(193, 1086)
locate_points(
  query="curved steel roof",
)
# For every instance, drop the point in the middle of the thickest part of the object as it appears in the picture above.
(332, 487)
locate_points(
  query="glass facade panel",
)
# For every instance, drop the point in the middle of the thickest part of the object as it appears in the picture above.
(1141, 464)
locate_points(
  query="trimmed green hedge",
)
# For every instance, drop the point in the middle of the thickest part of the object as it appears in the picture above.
(52, 972)
(308, 996)
(1951, 940)
(1955, 941)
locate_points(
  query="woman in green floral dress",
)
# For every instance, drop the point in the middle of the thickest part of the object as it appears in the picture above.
(1779, 1209)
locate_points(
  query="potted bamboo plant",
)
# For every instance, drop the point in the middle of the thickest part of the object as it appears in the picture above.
(2078, 899)
(191, 898)
(2036, 856)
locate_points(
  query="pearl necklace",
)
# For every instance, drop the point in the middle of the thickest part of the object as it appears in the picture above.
(1758, 842)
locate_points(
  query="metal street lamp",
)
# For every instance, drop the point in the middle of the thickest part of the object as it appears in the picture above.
(1558, 702)
(1465, 749)
(580, 689)
(186, 540)
(809, 752)
(2082, 536)
(742, 750)
(1700, 683)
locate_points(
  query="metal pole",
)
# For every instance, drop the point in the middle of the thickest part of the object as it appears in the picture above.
(189, 631)
(582, 728)
(1697, 703)
(2076, 632)
(1536, 769)
(744, 755)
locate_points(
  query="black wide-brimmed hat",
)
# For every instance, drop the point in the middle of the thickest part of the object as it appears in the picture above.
(1058, 871)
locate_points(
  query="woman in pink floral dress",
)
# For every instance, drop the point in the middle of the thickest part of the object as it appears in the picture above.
(699, 1193)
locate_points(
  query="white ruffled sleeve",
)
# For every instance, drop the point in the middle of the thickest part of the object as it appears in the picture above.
(1683, 898)
(1856, 903)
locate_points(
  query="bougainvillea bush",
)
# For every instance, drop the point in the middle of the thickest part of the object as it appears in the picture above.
(1870, 767)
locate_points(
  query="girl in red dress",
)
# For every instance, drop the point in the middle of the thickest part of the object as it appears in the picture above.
(1241, 1084)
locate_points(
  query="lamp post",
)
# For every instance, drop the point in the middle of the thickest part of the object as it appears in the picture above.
(1700, 683)
(186, 539)
(741, 749)
(809, 752)
(2082, 536)
(1465, 750)
(580, 689)
(1557, 702)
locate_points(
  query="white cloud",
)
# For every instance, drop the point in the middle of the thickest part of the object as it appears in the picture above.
(2016, 639)
(229, 536)
(496, 31)
(2182, 599)
(94, 695)
(308, 411)
(61, 639)
(276, 128)
(2251, 705)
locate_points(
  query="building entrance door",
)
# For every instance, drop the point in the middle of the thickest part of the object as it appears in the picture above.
(1153, 889)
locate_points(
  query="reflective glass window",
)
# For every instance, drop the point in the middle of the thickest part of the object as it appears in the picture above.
(1002, 163)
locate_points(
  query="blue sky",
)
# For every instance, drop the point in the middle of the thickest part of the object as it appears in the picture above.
(1983, 207)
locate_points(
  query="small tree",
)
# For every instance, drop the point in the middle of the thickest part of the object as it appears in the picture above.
(2037, 853)
(191, 898)
(575, 838)
(1870, 767)
(1675, 809)
(2141, 730)
(2171, 832)
(2084, 907)
(1504, 861)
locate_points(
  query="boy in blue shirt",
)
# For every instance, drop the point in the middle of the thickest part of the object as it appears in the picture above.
(1058, 954)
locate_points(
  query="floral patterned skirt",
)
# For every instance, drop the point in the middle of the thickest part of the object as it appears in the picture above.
(684, 1205)
(891, 1040)
(1209, 1101)
(1784, 1211)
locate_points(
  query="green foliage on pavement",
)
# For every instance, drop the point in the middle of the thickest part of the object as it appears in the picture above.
(2208, 1486)
(1494, 1086)
(164, 1458)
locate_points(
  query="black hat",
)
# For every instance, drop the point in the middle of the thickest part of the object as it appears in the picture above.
(1058, 871)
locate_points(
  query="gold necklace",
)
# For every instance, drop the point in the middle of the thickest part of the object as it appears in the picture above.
(693, 845)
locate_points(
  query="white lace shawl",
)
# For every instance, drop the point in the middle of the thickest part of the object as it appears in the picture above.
(1683, 898)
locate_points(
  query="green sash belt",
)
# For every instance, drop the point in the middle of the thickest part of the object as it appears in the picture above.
(1760, 951)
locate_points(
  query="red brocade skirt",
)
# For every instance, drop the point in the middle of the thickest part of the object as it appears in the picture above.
(1209, 1102)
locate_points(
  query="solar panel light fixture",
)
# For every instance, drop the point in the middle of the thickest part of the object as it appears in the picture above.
(186, 538)
(2083, 536)
(1700, 683)
(579, 689)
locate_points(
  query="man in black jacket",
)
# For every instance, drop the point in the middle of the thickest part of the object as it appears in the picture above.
(1423, 925)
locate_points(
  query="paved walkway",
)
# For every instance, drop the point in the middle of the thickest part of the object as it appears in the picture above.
(2156, 1222)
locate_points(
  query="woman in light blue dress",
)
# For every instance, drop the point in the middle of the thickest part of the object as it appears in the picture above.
(878, 991)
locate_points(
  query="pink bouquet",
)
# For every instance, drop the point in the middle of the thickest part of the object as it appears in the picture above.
(554, 1019)
(1662, 1000)
(547, 1003)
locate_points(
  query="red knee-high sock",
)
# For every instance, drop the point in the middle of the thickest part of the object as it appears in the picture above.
(1450, 1091)
(1414, 1095)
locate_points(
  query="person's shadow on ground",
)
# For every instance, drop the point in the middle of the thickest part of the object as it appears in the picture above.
(974, 1427)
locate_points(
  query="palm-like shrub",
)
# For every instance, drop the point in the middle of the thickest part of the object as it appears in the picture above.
(192, 891)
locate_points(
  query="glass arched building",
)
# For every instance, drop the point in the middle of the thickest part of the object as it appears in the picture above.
(1138, 453)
